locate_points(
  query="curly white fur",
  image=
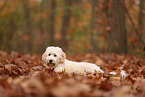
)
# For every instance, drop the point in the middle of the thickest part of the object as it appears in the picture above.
(55, 58)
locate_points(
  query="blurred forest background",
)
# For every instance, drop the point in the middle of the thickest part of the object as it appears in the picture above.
(78, 26)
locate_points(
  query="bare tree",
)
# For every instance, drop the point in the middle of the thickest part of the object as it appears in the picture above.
(65, 23)
(11, 31)
(44, 24)
(47, 23)
(93, 26)
(27, 25)
(141, 17)
(3, 6)
(51, 23)
(106, 9)
(138, 34)
(1, 9)
(118, 38)
(140, 22)
(43, 9)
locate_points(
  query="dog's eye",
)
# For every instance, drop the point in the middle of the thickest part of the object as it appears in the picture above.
(49, 54)
(55, 55)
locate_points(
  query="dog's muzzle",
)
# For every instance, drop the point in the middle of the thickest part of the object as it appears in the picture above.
(51, 64)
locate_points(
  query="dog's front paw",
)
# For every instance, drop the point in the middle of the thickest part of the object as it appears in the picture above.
(101, 71)
(59, 69)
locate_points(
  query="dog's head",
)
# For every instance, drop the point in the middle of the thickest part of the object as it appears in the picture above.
(53, 56)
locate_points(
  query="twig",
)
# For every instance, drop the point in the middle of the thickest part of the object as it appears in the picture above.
(136, 31)
(4, 4)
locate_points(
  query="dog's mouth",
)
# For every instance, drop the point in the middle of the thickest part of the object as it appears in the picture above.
(51, 65)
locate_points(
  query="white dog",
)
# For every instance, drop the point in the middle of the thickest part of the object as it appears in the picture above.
(55, 58)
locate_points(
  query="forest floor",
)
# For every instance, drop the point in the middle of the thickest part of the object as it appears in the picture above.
(23, 75)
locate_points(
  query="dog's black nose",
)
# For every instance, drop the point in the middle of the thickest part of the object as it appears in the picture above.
(50, 61)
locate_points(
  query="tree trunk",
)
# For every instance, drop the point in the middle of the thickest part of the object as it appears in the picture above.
(49, 21)
(65, 24)
(27, 26)
(44, 25)
(118, 41)
(43, 9)
(106, 9)
(2, 33)
(3, 6)
(141, 17)
(93, 27)
(12, 30)
(52, 23)
(140, 23)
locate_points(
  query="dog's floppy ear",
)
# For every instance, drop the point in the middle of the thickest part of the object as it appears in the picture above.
(63, 57)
